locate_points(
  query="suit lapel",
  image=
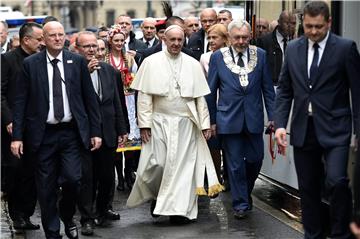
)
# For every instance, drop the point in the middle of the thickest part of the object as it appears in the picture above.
(302, 53)
(43, 73)
(328, 51)
(68, 67)
(102, 81)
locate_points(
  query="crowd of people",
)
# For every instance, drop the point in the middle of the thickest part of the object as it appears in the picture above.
(192, 93)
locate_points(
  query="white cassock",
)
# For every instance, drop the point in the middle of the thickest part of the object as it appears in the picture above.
(172, 165)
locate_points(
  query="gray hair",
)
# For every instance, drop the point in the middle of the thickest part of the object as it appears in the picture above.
(238, 24)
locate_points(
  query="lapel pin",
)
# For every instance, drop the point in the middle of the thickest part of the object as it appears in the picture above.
(69, 61)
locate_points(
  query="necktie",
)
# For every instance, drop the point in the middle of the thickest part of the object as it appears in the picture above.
(147, 44)
(314, 64)
(57, 91)
(240, 61)
(285, 43)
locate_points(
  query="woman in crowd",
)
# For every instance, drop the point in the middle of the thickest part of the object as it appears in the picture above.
(217, 38)
(125, 63)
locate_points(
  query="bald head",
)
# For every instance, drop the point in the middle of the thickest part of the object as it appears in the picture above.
(208, 18)
(287, 24)
(191, 25)
(262, 27)
(54, 37)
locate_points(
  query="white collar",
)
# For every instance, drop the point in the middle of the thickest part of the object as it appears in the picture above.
(50, 57)
(321, 44)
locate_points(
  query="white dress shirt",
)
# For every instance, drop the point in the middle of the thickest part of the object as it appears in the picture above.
(151, 42)
(127, 43)
(280, 40)
(311, 51)
(244, 56)
(96, 83)
(67, 113)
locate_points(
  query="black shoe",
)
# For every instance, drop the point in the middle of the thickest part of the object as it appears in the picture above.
(102, 221)
(30, 226)
(71, 230)
(152, 208)
(87, 229)
(240, 214)
(180, 220)
(111, 215)
(250, 203)
(19, 223)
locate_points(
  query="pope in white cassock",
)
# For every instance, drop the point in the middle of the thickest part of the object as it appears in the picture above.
(174, 122)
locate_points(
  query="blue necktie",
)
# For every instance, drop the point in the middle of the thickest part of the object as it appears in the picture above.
(314, 65)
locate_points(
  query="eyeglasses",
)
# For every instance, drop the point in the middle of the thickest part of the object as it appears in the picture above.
(87, 47)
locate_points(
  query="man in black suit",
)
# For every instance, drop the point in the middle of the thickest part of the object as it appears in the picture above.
(319, 70)
(57, 116)
(198, 42)
(132, 45)
(173, 20)
(4, 40)
(149, 31)
(105, 79)
(275, 43)
(17, 175)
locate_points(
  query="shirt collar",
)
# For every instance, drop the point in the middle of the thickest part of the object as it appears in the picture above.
(321, 44)
(236, 54)
(50, 57)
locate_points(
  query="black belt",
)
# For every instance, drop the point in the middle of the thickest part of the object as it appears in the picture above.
(62, 125)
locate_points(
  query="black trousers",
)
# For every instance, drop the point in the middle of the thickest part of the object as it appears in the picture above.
(316, 166)
(86, 197)
(58, 165)
(18, 180)
(104, 177)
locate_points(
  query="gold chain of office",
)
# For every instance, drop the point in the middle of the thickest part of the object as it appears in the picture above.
(241, 71)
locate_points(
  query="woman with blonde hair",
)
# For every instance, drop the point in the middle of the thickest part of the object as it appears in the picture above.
(217, 38)
(125, 63)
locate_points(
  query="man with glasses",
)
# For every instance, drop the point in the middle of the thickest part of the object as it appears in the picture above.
(239, 82)
(17, 175)
(198, 42)
(57, 118)
(105, 80)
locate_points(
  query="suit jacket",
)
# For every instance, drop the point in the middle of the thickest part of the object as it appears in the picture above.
(158, 47)
(196, 43)
(31, 105)
(235, 107)
(11, 65)
(339, 71)
(274, 53)
(138, 46)
(112, 117)
(156, 41)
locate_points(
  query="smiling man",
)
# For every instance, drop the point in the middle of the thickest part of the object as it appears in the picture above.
(319, 70)
(174, 122)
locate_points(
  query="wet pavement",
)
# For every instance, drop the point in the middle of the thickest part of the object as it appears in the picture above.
(270, 218)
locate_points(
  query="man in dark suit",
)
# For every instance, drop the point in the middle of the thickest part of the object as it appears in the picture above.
(198, 42)
(17, 175)
(239, 80)
(56, 114)
(132, 45)
(149, 31)
(105, 79)
(173, 20)
(319, 70)
(275, 43)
